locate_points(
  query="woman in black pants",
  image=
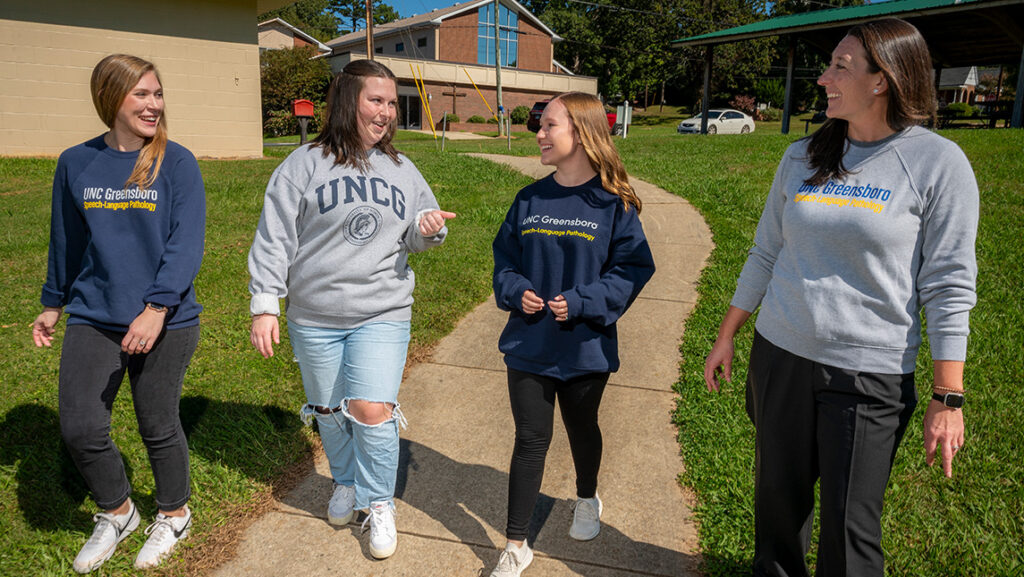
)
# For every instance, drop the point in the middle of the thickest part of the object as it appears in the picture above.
(569, 259)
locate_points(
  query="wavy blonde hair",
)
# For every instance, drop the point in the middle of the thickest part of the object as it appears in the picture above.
(112, 79)
(591, 123)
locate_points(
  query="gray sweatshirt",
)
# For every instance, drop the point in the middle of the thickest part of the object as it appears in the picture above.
(335, 240)
(842, 270)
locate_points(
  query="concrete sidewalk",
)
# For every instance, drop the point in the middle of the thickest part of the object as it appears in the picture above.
(453, 473)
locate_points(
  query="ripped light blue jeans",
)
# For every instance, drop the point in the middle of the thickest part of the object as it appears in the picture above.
(341, 365)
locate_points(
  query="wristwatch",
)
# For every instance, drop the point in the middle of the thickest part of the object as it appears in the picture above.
(156, 307)
(951, 400)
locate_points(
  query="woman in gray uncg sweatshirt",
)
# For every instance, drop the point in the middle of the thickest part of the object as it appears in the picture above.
(868, 221)
(339, 220)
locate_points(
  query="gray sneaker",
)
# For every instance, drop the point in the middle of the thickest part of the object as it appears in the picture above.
(340, 508)
(586, 519)
(164, 535)
(109, 531)
(513, 560)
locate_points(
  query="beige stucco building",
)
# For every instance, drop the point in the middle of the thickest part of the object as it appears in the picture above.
(206, 51)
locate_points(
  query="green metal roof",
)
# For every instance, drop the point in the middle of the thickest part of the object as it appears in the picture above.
(833, 16)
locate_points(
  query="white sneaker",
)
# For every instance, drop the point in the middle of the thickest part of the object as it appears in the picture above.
(586, 519)
(109, 531)
(513, 560)
(383, 534)
(164, 534)
(340, 508)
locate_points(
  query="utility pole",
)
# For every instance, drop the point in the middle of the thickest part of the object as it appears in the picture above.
(369, 29)
(497, 66)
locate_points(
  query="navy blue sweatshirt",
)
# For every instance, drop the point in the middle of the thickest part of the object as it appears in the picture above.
(579, 242)
(113, 249)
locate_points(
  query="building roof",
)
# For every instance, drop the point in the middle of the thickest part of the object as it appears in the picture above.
(958, 77)
(433, 19)
(320, 46)
(959, 32)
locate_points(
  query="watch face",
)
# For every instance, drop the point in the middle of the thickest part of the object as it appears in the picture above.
(953, 400)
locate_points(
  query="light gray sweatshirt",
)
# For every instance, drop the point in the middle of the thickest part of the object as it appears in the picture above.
(335, 240)
(842, 270)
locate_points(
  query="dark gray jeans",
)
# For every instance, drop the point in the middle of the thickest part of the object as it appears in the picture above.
(92, 368)
(818, 422)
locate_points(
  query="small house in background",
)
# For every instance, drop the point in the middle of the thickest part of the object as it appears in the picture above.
(957, 85)
(275, 34)
(453, 48)
(206, 52)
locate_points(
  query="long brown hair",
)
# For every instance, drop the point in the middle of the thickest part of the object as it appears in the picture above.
(591, 123)
(112, 79)
(897, 50)
(340, 134)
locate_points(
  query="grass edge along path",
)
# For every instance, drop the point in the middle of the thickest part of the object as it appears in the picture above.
(970, 525)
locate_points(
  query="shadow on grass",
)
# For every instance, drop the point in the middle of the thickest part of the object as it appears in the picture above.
(51, 491)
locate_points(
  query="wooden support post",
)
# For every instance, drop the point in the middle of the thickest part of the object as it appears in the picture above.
(787, 103)
(705, 101)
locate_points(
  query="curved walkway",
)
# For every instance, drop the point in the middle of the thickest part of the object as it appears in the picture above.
(453, 472)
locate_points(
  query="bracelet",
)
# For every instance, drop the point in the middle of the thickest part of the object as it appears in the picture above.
(949, 390)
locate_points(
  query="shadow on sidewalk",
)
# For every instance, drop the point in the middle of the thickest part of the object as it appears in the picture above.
(466, 497)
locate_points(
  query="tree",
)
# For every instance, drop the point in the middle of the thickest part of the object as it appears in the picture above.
(311, 16)
(290, 74)
(353, 12)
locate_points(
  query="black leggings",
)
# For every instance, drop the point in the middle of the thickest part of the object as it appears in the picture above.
(533, 406)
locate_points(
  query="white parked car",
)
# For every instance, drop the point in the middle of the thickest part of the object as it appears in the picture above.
(720, 121)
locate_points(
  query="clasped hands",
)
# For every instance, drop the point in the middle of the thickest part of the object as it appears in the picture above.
(534, 304)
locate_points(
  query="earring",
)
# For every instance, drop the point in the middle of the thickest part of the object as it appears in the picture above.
(875, 91)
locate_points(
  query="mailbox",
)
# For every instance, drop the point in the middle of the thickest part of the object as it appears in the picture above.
(302, 108)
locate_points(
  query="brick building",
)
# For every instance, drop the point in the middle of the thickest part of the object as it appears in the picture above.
(453, 48)
(275, 34)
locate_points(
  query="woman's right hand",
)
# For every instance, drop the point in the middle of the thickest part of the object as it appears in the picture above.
(532, 303)
(45, 325)
(264, 334)
(719, 362)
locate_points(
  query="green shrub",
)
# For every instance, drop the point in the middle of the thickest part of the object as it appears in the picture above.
(453, 118)
(768, 115)
(959, 110)
(492, 120)
(289, 74)
(520, 114)
(282, 123)
(476, 119)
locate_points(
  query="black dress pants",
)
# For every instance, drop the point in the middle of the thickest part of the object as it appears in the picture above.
(533, 405)
(817, 422)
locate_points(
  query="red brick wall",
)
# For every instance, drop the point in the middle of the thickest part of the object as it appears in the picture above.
(534, 47)
(299, 42)
(457, 38)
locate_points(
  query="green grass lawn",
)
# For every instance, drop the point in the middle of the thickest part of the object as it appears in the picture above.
(241, 411)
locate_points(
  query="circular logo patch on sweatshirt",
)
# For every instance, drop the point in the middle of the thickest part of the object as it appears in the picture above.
(361, 225)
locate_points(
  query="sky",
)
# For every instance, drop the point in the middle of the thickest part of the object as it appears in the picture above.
(407, 8)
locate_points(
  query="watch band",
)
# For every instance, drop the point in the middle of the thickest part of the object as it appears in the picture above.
(951, 400)
(156, 307)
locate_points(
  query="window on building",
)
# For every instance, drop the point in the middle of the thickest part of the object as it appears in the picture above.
(508, 35)
(421, 42)
(379, 50)
(400, 47)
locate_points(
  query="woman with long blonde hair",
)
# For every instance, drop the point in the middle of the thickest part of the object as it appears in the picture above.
(569, 259)
(126, 241)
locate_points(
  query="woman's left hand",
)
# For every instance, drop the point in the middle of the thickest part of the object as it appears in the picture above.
(559, 308)
(432, 222)
(943, 434)
(143, 331)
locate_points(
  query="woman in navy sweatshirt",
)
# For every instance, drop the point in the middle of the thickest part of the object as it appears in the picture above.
(569, 259)
(126, 240)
